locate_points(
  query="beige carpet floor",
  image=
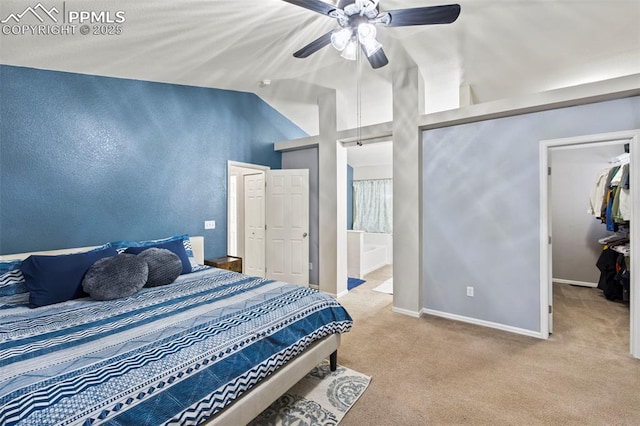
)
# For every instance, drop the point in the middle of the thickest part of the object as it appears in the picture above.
(434, 371)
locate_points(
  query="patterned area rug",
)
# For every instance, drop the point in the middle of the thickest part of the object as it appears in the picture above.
(321, 398)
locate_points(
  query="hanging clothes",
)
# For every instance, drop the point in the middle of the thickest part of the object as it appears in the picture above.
(607, 198)
(597, 195)
(624, 204)
(622, 276)
(612, 194)
(610, 202)
(607, 264)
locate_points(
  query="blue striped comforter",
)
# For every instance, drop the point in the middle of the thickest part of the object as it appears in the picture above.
(176, 354)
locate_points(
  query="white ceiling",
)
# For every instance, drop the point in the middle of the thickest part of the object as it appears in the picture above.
(501, 48)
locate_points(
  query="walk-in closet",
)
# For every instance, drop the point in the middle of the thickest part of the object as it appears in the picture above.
(590, 215)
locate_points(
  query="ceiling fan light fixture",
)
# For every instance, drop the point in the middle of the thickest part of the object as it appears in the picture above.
(382, 18)
(340, 16)
(371, 46)
(369, 8)
(350, 50)
(356, 29)
(366, 32)
(339, 39)
(367, 38)
(351, 9)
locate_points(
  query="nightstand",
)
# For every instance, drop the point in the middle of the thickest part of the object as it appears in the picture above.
(229, 263)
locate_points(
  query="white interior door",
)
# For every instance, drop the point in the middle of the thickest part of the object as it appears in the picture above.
(288, 226)
(550, 244)
(232, 215)
(254, 225)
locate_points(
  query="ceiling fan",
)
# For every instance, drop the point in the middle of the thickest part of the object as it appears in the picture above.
(357, 20)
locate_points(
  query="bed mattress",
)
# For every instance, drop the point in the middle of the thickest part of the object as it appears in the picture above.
(175, 354)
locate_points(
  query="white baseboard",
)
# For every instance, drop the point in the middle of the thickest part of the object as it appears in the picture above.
(483, 323)
(342, 293)
(574, 282)
(407, 312)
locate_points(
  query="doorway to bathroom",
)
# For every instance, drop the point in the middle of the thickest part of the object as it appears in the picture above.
(370, 217)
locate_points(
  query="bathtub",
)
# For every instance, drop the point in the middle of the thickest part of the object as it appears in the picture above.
(367, 252)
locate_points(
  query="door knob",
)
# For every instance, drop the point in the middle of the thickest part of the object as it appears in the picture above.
(304, 235)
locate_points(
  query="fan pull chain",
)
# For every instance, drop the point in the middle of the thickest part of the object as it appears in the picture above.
(359, 96)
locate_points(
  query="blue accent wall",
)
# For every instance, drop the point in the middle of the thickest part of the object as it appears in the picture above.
(349, 197)
(88, 159)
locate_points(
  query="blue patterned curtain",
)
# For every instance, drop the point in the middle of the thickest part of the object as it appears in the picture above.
(373, 205)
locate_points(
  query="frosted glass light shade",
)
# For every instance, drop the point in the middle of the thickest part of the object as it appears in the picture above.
(366, 32)
(339, 39)
(349, 51)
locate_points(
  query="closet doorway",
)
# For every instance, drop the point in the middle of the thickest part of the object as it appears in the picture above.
(554, 241)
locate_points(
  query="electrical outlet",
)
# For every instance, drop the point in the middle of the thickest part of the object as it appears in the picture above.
(209, 224)
(470, 291)
(310, 266)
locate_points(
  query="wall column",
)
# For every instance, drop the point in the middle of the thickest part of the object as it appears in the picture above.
(407, 284)
(332, 159)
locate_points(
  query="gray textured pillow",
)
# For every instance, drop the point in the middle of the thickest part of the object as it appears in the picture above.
(164, 266)
(115, 277)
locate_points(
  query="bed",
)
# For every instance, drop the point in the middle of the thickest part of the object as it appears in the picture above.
(214, 347)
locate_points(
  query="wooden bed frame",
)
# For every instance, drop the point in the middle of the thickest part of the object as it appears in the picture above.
(257, 399)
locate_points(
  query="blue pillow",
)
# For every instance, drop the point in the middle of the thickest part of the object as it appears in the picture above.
(11, 279)
(55, 279)
(176, 246)
(123, 245)
(9, 265)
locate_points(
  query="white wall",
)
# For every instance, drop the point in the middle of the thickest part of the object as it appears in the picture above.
(575, 233)
(373, 172)
(407, 193)
(332, 195)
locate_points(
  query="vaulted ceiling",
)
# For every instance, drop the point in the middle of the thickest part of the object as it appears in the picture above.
(500, 48)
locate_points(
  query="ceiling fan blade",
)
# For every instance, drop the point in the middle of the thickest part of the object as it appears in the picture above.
(315, 5)
(314, 46)
(378, 59)
(424, 15)
(342, 3)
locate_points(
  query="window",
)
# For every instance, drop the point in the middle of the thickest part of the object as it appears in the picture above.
(373, 205)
